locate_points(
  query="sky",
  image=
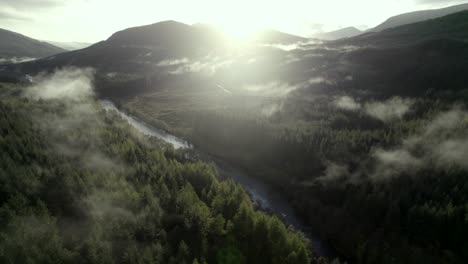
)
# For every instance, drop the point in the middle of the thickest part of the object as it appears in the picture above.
(96, 20)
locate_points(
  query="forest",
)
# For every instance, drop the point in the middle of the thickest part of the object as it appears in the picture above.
(78, 184)
(365, 136)
(395, 170)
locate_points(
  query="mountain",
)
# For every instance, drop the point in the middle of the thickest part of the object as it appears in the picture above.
(69, 46)
(173, 54)
(451, 27)
(136, 50)
(277, 37)
(15, 45)
(340, 33)
(418, 16)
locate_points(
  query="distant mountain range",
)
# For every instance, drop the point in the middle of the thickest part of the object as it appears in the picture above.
(338, 34)
(131, 50)
(69, 46)
(418, 16)
(16, 46)
(169, 53)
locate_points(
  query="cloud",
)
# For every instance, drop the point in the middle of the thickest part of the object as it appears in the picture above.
(11, 14)
(334, 172)
(347, 103)
(71, 84)
(393, 162)
(442, 144)
(207, 65)
(391, 109)
(15, 60)
(71, 89)
(319, 79)
(173, 62)
(26, 10)
(33, 4)
(271, 109)
(274, 88)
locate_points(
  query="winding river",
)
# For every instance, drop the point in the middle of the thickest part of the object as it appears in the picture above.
(261, 194)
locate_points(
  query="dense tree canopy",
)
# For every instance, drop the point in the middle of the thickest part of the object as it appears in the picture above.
(78, 184)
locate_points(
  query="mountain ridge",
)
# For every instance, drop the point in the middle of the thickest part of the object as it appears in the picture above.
(418, 16)
(14, 44)
(346, 32)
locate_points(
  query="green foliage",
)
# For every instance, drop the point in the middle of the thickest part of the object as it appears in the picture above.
(414, 217)
(86, 188)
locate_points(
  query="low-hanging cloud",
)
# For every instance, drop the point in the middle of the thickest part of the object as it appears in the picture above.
(274, 88)
(333, 172)
(15, 60)
(71, 84)
(173, 62)
(347, 103)
(442, 144)
(207, 65)
(72, 89)
(392, 109)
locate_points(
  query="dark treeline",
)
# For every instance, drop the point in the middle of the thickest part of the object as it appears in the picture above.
(413, 216)
(78, 185)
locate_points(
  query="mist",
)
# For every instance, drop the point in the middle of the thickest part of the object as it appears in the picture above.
(441, 144)
(71, 84)
(389, 110)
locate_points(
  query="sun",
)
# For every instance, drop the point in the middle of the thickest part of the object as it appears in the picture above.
(241, 31)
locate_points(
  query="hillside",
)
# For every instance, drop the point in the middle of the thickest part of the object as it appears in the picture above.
(363, 138)
(78, 184)
(339, 33)
(16, 45)
(450, 27)
(418, 16)
(277, 37)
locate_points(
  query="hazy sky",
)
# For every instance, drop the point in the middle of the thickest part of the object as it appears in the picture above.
(95, 20)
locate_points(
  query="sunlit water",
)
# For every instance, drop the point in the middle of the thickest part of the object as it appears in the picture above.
(261, 194)
(147, 129)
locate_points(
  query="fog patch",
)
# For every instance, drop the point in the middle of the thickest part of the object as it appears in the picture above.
(15, 60)
(274, 88)
(285, 47)
(333, 172)
(347, 103)
(300, 45)
(291, 58)
(207, 65)
(343, 49)
(391, 109)
(173, 62)
(72, 91)
(103, 204)
(271, 109)
(442, 144)
(319, 79)
(71, 84)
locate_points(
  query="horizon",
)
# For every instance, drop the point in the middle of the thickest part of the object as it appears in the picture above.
(82, 21)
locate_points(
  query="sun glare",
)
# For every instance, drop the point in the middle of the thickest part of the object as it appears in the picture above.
(241, 31)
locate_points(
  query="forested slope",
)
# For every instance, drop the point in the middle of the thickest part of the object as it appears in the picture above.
(78, 185)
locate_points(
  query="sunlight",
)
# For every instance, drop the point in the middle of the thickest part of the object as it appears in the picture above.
(241, 31)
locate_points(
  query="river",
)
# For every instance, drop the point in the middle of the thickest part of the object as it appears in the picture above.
(261, 194)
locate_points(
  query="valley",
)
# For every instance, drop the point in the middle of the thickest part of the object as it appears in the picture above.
(179, 143)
